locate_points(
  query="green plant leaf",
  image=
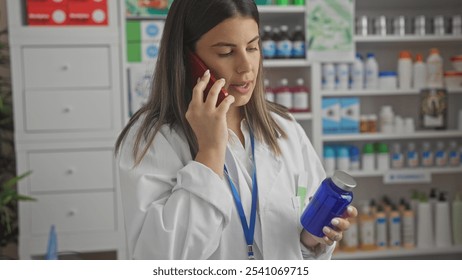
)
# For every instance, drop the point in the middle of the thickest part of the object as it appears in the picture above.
(13, 181)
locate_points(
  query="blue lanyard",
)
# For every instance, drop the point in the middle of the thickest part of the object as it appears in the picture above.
(249, 230)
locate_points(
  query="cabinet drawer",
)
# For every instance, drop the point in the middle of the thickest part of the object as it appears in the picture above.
(82, 212)
(69, 171)
(68, 110)
(71, 67)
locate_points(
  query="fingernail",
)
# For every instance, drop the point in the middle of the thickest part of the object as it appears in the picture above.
(350, 209)
(326, 230)
(335, 222)
(207, 72)
(326, 238)
(223, 81)
(198, 79)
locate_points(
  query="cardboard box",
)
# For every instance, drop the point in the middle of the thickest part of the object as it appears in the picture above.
(87, 12)
(142, 51)
(331, 115)
(38, 14)
(349, 115)
(145, 30)
(140, 81)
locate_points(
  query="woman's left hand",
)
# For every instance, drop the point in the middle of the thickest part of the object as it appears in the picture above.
(340, 224)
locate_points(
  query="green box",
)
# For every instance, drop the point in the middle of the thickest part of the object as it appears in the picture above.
(134, 52)
(133, 31)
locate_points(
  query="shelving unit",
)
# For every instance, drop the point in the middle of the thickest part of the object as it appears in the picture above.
(67, 113)
(371, 183)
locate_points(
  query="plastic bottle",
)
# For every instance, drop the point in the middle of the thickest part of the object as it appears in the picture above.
(298, 43)
(443, 236)
(276, 38)
(381, 238)
(368, 157)
(269, 93)
(283, 95)
(343, 158)
(412, 157)
(342, 73)
(397, 159)
(330, 200)
(383, 157)
(366, 229)
(357, 73)
(372, 72)
(354, 158)
(453, 154)
(457, 219)
(300, 97)
(425, 235)
(405, 70)
(329, 159)
(284, 44)
(419, 73)
(386, 119)
(435, 69)
(268, 43)
(408, 227)
(427, 155)
(394, 225)
(328, 76)
(350, 241)
(441, 156)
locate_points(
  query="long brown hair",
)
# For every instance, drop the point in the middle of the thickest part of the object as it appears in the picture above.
(186, 22)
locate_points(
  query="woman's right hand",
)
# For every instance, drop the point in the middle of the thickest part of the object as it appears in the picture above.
(209, 123)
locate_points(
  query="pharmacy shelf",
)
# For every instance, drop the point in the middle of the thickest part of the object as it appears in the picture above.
(279, 63)
(146, 17)
(435, 134)
(397, 253)
(303, 116)
(408, 39)
(430, 170)
(275, 9)
(379, 92)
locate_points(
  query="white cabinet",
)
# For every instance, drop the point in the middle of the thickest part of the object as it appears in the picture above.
(67, 94)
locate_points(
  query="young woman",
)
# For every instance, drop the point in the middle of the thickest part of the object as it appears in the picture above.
(201, 181)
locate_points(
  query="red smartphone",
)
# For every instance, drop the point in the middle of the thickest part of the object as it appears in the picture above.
(197, 68)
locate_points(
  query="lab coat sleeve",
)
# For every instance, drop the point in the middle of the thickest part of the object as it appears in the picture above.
(174, 207)
(316, 173)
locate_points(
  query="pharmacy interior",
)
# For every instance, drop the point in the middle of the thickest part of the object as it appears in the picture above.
(377, 86)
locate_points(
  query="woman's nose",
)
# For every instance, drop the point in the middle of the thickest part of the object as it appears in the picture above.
(243, 64)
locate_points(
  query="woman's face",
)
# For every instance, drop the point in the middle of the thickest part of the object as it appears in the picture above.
(231, 51)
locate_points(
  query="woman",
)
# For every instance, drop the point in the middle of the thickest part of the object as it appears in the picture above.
(201, 181)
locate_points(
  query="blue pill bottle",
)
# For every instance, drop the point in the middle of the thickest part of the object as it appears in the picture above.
(330, 200)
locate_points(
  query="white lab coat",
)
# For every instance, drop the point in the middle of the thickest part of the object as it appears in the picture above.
(177, 208)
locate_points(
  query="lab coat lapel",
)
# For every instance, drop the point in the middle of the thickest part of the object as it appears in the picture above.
(268, 169)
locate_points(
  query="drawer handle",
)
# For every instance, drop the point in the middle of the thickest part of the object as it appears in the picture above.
(72, 212)
(70, 171)
(65, 67)
(67, 110)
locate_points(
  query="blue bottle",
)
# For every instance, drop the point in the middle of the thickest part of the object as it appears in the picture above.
(330, 200)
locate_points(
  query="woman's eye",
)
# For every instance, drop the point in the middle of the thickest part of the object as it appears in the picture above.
(225, 54)
(252, 49)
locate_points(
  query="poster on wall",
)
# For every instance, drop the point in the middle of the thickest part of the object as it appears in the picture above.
(330, 30)
(147, 7)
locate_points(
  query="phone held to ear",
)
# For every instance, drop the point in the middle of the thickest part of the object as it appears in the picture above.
(197, 68)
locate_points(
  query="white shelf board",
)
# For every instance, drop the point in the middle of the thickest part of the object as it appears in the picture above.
(431, 170)
(382, 136)
(295, 62)
(407, 38)
(395, 253)
(379, 92)
(275, 9)
(303, 116)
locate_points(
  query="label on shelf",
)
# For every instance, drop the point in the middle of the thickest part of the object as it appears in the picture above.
(407, 176)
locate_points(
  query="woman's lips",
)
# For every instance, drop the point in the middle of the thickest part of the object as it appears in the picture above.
(242, 88)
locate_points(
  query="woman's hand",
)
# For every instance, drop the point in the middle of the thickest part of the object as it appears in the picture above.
(340, 224)
(209, 123)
